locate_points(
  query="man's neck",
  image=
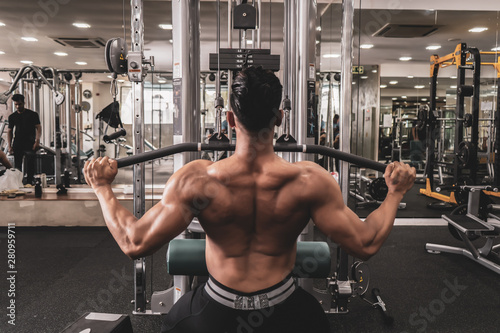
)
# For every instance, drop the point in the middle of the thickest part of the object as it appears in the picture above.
(21, 111)
(254, 146)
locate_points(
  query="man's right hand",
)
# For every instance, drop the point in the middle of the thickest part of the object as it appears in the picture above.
(100, 172)
(11, 151)
(399, 177)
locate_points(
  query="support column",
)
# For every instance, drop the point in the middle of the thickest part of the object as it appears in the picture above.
(135, 73)
(186, 75)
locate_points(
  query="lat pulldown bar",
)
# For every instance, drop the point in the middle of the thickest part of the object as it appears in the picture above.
(309, 149)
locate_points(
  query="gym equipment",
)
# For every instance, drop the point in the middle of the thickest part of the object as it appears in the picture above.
(469, 227)
(308, 149)
(115, 55)
(187, 257)
(92, 322)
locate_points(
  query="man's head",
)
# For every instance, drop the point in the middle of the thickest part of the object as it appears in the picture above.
(18, 100)
(255, 99)
(336, 119)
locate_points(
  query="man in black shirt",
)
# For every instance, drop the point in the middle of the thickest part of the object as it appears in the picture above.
(26, 137)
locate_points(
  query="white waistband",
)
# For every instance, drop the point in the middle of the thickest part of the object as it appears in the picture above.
(254, 302)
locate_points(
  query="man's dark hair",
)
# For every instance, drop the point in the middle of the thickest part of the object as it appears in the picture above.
(18, 98)
(336, 117)
(256, 97)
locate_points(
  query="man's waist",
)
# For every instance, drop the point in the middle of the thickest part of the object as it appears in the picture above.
(260, 299)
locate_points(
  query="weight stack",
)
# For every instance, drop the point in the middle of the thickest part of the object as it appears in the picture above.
(93, 322)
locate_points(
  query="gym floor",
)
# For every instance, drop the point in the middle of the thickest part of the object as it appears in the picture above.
(65, 272)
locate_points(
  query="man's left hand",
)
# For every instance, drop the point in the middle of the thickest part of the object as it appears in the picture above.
(100, 172)
(36, 146)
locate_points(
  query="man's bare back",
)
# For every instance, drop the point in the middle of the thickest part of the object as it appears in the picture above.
(253, 219)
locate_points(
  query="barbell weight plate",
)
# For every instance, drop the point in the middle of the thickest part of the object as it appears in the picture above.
(378, 189)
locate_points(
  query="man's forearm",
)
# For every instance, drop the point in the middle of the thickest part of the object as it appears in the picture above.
(117, 217)
(382, 219)
(9, 139)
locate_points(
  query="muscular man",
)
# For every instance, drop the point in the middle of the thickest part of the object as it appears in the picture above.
(27, 136)
(252, 206)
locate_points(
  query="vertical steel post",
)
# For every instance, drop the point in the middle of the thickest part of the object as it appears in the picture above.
(135, 73)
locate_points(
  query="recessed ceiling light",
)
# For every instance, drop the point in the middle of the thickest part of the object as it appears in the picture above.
(110, 76)
(410, 76)
(478, 29)
(364, 77)
(419, 86)
(2, 24)
(318, 28)
(404, 97)
(162, 81)
(382, 86)
(494, 87)
(2, 52)
(317, 42)
(61, 54)
(26, 62)
(121, 81)
(171, 41)
(496, 48)
(394, 99)
(433, 47)
(81, 25)
(374, 71)
(165, 26)
(29, 39)
(405, 58)
(353, 82)
(393, 82)
(453, 77)
(331, 55)
(424, 99)
(453, 87)
(366, 46)
(249, 42)
(81, 63)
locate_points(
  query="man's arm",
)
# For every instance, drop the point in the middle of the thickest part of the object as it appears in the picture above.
(343, 226)
(4, 160)
(9, 141)
(159, 225)
(38, 128)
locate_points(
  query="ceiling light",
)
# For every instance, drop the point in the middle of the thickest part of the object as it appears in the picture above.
(110, 76)
(2, 24)
(2, 52)
(410, 76)
(61, 54)
(121, 81)
(424, 99)
(29, 39)
(394, 99)
(453, 87)
(331, 55)
(353, 82)
(165, 26)
(494, 87)
(81, 63)
(364, 77)
(26, 62)
(393, 82)
(374, 71)
(404, 97)
(453, 77)
(249, 42)
(382, 86)
(318, 28)
(81, 25)
(496, 48)
(433, 47)
(366, 46)
(317, 42)
(171, 41)
(478, 29)
(405, 58)
(419, 87)
(162, 81)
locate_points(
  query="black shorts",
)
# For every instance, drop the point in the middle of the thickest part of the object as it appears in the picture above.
(198, 312)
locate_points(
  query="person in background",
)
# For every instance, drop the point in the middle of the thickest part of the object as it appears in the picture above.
(23, 137)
